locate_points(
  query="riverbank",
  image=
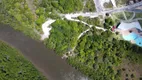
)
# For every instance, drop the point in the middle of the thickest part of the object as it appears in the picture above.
(14, 66)
(45, 60)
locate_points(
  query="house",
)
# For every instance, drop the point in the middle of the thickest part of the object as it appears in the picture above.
(131, 31)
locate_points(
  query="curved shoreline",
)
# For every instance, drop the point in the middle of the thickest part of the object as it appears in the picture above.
(45, 60)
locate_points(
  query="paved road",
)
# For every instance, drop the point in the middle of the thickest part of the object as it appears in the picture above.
(51, 65)
(98, 5)
(129, 7)
(135, 10)
(96, 14)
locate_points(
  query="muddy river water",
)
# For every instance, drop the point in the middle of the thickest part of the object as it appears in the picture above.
(45, 60)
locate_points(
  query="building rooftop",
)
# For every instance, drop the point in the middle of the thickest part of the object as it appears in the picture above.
(131, 32)
(126, 26)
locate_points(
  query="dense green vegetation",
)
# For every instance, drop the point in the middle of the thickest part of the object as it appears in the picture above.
(89, 6)
(98, 53)
(64, 35)
(108, 23)
(17, 14)
(62, 6)
(92, 21)
(98, 56)
(13, 66)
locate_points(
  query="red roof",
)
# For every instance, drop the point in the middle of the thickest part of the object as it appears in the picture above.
(113, 28)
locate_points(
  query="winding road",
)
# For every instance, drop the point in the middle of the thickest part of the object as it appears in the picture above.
(45, 60)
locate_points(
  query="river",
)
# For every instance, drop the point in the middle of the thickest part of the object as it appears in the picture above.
(45, 60)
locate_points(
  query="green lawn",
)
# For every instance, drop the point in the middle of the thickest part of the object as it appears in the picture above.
(13, 66)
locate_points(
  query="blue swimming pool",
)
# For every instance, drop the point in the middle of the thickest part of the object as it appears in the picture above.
(139, 41)
(131, 36)
(135, 37)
